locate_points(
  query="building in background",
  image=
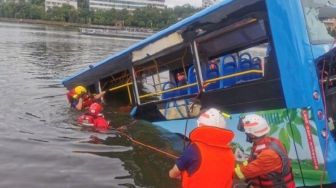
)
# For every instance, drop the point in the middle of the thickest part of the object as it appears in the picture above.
(125, 4)
(207, 3)
(52, 3)
(106, 4)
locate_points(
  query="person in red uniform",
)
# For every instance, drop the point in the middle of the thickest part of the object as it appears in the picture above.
(94, 117)
(268, 165)
(80, 99)
(208, 161)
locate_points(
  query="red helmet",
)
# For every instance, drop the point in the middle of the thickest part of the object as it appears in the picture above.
(95, 108)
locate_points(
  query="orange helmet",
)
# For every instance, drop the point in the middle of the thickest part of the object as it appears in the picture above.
(95, 108)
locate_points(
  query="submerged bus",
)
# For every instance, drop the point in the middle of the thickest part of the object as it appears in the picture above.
(275, 58)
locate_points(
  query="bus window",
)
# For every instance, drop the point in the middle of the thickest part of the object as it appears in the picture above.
(236, 68)
(321, 20)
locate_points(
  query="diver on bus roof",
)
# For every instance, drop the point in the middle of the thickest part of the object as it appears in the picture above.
(208, 161)
(80, 99)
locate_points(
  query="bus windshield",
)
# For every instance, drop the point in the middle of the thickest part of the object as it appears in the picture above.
(321, 20)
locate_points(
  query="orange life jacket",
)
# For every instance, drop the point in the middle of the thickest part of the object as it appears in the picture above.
(217, 159)
(281, 178)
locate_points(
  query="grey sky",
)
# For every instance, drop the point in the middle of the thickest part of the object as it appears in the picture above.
(172, 3)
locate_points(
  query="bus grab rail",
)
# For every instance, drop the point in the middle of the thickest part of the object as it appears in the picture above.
(206, 82)
(233, 75)
(121, 86)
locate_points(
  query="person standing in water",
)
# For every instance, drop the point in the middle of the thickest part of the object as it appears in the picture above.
(80, 99)
(94, 117)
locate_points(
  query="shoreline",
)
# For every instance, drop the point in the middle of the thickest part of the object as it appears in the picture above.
(44, 22)
(88, 29)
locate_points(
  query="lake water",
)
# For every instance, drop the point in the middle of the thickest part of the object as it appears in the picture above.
(40, 145)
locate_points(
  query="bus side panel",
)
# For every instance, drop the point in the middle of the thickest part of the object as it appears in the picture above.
(296, 129)
(297, 69)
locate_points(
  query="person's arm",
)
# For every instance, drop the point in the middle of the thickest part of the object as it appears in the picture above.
(188, 162)
(175, 172)
(79, 105)
(99, 95)
(267, 161)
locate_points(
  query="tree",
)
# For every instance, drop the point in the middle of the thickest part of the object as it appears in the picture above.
(149, 17)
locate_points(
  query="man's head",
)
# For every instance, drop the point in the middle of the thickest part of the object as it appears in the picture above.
(254, 126)
(211, 117)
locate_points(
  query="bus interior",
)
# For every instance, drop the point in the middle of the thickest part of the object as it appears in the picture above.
(237, 69)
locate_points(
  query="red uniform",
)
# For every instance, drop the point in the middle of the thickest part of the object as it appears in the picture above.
(98, 121)
(269, 165)
(217, 159)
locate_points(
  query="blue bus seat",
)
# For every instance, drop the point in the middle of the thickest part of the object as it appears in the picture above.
(245, 64)
(256, 65)
(228, 68)
(192, 79)
(210, 74)
(170, 94)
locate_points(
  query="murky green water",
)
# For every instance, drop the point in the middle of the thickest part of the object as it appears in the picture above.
(39, 143)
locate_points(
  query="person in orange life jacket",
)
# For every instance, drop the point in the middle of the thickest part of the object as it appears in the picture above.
(268, 165)
(208, 161)
(94, 117)
(80, 99)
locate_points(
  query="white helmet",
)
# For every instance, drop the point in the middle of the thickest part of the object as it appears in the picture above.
(255, 125)
(212, 117)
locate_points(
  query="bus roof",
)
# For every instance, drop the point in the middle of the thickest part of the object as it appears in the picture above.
(122, 60)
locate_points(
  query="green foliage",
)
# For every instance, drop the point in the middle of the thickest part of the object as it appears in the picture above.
(286, 124)
(284, 137)
(38, 2)
(22, 10)
(65, 13)
(294, 134)
(148, 17)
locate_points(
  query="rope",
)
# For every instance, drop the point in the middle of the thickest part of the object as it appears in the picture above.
(326, 126)
(172, 156)
(325, 155)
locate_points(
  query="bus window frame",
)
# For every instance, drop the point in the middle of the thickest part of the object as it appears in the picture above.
(311, 40)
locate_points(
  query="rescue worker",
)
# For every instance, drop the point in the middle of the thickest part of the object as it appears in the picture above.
(268, 165)
(80, 99)
(94, 117)
(208, 161)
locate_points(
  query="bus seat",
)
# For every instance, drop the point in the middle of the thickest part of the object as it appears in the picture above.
(182, 92)
(227, 68)
(170, 94)
(210, 74)
(192, 79)
(245, 62)
(256, 65)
